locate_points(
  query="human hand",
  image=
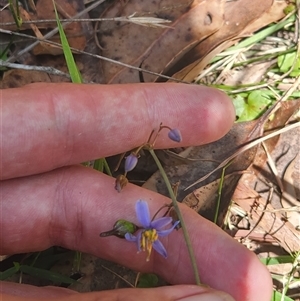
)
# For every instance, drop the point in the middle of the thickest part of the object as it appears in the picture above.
(46, 199)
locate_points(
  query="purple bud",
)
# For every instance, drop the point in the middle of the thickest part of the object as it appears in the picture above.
(130, 162)
(175, 135)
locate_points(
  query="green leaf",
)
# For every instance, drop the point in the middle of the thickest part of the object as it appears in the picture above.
(290, 8)
(253, 106)
(147, 280)
(72, 67)
(277, 260)
(41, 273)
(239, 104)
(277, 297)
(285, 63)
(10, 272)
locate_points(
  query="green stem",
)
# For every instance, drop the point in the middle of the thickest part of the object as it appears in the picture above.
(220, 192)
(219, 195)
(182, 223)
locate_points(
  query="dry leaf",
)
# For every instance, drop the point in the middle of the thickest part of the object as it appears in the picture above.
(18, 77)
(242, 18)
(267, 220)
(153, 48)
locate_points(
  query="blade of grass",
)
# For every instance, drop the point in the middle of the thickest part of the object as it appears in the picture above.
(72, 67)
(220, 192)
(15, 12)
(41, 273)
(277, 260)
(259, 36)
(10, 272)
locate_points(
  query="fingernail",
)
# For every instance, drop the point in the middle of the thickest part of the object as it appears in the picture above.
(216, 296)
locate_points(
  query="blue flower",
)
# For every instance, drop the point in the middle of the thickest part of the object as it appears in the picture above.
(148, 236)
(175, 135)
(130, 162)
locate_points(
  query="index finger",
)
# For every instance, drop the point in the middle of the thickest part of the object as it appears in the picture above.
(46, 126)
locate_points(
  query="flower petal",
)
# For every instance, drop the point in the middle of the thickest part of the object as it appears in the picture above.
(163, 233)
(159, 248)
(175, 135)
(135, 238)
(139, 237)
(130, 162)
(130, 237)
(161, 222)
(142, 213)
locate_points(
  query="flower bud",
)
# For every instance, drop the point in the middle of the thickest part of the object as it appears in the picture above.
(173, 214)
(121, 227)
(175, 135)
(121, 182)
(130, 162)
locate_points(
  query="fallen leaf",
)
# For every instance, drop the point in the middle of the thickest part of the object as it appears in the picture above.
(242, 18)
(266, 219)
(17, 77)
(155, 49)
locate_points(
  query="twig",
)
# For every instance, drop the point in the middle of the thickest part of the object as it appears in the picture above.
(111, 271)
(49, 70)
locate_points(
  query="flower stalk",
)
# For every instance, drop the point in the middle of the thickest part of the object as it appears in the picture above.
(180, 217)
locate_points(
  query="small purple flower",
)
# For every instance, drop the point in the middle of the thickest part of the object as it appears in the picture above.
(130, 162)
(147, 236)
(175, 135)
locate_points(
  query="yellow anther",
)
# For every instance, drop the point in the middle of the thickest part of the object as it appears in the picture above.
(147, 239)
(154, 235)
(143, 242)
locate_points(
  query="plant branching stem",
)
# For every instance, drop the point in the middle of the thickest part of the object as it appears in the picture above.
(176, 207)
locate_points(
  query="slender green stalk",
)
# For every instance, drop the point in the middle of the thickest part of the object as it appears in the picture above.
(220, 193)
(15, 11)
(290, 275)
(106, 167)
(219, 196)
(77, 261)
(35, 259)
(176, 207)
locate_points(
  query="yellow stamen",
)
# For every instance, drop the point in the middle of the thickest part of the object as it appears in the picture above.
(147, 239)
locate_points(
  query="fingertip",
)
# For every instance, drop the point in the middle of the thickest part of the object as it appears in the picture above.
(202, 114)
(216, 113)
(259, 281)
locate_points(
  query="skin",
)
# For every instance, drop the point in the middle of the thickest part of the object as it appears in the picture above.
(48, 129)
